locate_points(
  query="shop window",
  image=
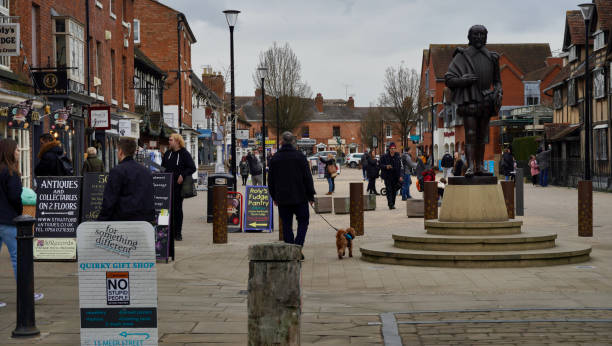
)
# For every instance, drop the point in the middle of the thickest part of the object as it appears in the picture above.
(69, 47)
(5, 61)
(305, 132)
(599, 83)
(336, 131)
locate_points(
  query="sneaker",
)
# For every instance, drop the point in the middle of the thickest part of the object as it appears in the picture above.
(38, 296)
(2, 304)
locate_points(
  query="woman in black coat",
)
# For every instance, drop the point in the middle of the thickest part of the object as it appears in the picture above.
(178, 161)
(373, 171)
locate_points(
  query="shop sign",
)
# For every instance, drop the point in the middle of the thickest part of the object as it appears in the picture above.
(449, 134)
(125, 128)
(100, 117)
(242, 134)
(270, 141)
(9, 39)
(19, 115)
(117, 283)
(51, 82)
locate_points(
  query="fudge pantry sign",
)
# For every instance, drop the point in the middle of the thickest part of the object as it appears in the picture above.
(117, 283)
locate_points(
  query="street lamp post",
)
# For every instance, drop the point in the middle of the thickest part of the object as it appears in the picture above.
(585, 187)
(277, 125)
(431, 126)
(262, 73)
(231, 16)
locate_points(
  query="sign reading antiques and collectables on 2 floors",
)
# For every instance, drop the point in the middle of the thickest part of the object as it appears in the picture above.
(57, 217)
(117, 283)
(258, 211)
(9, 39)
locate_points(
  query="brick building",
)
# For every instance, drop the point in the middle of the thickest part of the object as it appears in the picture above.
(519, 63)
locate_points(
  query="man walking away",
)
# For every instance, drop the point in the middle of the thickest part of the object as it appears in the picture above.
(128, 195)
(391, 167)
(447, 163)
(543, 159)
(507, 164)
(291, 188)
(255, 168)
(373, 171)
(93, 163)
(407, 166)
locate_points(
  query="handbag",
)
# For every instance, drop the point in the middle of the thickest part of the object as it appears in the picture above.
(332, 170)
(188, 188)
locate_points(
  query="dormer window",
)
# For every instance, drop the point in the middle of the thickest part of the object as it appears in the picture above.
(599, 40)
(573, 53)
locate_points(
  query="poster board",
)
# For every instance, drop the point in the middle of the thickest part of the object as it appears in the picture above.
(320, 169)
(117, 283)
(258, 209)
(234, 212)
(202, 181)
(162, 201)
(93, 194)
(58, 204)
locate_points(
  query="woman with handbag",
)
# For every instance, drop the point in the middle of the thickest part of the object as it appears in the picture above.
(179, 162)
(330, 171)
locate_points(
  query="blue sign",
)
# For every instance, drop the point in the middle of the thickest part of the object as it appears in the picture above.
(244, 143)
(415, 138)
(205, 133)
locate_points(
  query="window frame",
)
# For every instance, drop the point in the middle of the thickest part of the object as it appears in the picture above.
(599, 40)
(136, 30)
(599, 90)
(76, 75)
(558, 98)
(572, 98)
(334, 131)
(573, 53)
(388, 131)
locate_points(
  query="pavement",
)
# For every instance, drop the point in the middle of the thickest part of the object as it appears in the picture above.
(203, 301)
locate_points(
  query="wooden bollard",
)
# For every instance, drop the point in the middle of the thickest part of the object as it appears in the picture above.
(356, 198)
(430, 197)
(280, 229)
(508, 189)
(585, 208)
(219, 214)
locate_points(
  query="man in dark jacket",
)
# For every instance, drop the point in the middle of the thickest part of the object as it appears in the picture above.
(507, 164)
(447, 163)
(255, 168)
(128, 194)
(391, 168)
(291, 188)
(50, 154)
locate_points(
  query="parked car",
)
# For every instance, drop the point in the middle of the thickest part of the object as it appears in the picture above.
(354, 159)
(323, 154)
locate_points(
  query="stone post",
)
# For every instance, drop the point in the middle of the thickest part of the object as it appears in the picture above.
(520, 202)
(356, 198)
(275, 295)
(26, 320)
(508, 189)
(430, 197)
(219, 214)
(585, 208)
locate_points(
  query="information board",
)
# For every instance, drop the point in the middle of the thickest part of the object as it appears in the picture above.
(117, 283)
(93, 193)
(162, 200)
(234, 211)
(258, 211)
(57, 217)
(202, 181)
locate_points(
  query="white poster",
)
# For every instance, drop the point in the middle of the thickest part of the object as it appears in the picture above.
(117, 283)
(242, 134)
(125, 128)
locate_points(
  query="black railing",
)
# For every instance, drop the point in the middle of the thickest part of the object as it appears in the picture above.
(567, 172)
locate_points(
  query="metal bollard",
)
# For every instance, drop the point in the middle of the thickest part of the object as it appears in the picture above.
(585, 208)
(430, 199)
(519, 181)
(220, 215)
(26, 320)
(508, 189)
(356, 198)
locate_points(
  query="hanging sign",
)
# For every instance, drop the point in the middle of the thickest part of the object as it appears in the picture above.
(93, 193)
(258, 212)
(117, 283)
(54, 82)
(9, 39)
(100, 117)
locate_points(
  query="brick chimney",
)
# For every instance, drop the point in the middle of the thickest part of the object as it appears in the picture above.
(552, 61)
(350, 103)
(257, 100)
(319, 102)
(214, 81)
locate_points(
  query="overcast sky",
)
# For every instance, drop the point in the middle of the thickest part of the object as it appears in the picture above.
(348, 44)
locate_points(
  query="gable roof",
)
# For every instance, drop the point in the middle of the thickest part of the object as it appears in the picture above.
(540, 74)
(603, 13)
(181, 16)
(574, 29)
(527, 56)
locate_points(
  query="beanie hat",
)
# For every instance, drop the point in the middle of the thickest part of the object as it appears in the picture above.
(392, 145)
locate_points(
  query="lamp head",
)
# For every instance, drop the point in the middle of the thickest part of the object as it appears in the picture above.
(231, 16)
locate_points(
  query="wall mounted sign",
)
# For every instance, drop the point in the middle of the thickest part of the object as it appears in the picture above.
(9, 39)
(125, 128)
(100, 117)
(117, 283)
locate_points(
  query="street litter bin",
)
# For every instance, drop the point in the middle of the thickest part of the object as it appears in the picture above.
(217, 179)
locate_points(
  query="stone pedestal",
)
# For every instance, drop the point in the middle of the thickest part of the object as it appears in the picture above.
(342, 205)
(274, 300)
(473, 203)
(323, 204)
(415, 207)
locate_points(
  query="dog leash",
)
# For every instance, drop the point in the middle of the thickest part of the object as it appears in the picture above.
(324, 219)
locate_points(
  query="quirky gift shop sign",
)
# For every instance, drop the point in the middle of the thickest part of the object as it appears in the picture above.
(57, 217)
(258, 209)
(117, 283)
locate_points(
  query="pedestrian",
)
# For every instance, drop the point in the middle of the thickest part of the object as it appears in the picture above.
(330, 172)
(255, 168)
(373, 171)
(458, 167)
(128, 194)
(447, 164)
(178, 161)
(364, 165)
(535, 169)
(441, 186)
(391, 168)
(93, 163)
(10, 201)
(291, 188)
(52, 159)
(507, 164)
(407, 166)
(543, 159)
(244, 170)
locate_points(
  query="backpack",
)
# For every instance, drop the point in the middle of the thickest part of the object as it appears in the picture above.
(65, 165)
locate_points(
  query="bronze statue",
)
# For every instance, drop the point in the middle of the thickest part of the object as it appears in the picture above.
(475, 83)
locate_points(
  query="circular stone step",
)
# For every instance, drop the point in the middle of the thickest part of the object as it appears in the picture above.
(473, 228)
(511, 242)
(386, 253)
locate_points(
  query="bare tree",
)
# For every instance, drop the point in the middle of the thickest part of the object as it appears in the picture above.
(283, 80)
(371, 125)
(401, 98)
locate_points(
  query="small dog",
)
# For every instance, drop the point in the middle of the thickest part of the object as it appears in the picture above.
(344, 239)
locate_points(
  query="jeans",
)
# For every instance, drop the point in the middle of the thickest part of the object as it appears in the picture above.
(544, 177)
(372, 185)
(332, 185)
(391, 186)
(257, 180)
(406, 186)
(8, 235)
(446, 171)
(286, 212)
(364, 173)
